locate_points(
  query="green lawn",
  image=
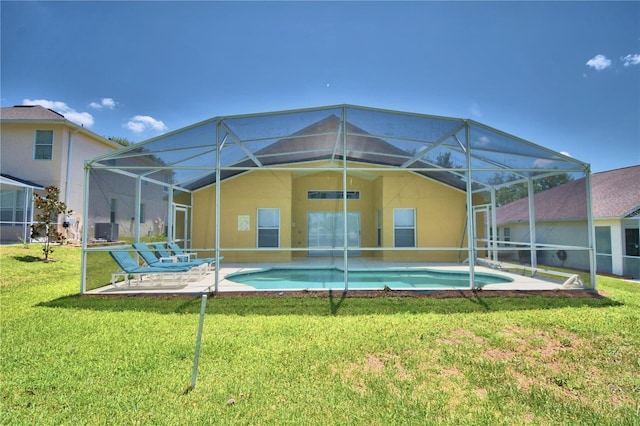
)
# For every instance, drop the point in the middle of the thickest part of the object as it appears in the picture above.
(311, 361)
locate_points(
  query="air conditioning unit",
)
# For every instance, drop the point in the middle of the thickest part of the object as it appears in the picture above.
(107, 231)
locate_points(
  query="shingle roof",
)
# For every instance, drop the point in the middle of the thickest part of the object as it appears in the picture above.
(30, 112)
(614, 193)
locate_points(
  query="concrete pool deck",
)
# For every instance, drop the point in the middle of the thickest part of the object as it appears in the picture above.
(207, 283)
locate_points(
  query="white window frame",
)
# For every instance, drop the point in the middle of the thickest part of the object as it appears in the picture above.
(36, 145)
(260, 227)
(404, 227)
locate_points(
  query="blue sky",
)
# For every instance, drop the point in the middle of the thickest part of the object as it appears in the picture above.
(565, 75)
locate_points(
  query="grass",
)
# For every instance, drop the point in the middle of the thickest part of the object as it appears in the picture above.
(316, 360)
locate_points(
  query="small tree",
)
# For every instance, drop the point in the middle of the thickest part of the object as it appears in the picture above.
(46, 224)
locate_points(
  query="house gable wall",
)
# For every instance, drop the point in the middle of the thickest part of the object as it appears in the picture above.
(440, 212)
(18, 145)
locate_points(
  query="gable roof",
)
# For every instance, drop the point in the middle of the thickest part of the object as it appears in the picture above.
(30, 112)
(39, 114)
(614, 194)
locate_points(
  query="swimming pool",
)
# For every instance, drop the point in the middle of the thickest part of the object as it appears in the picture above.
(333, 278)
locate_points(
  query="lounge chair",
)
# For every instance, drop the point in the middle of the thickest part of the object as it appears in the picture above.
(152, 260)
(164, 255)
(181, 254)
(129, 269)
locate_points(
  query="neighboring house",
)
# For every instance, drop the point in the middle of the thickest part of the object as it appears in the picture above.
(559, 212)
(42, 148)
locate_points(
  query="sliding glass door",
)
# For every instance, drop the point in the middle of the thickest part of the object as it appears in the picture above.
(325, 231)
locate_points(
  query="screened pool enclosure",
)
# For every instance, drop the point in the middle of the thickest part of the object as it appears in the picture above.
(342, 183)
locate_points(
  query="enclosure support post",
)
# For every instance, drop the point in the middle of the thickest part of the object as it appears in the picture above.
(471, 232)
(532, 226)
(85, 215)
(494, 226)
(591, 231)
(27, 219)
(216, 255)
(345, 210)
(136, 218)
(170, 215)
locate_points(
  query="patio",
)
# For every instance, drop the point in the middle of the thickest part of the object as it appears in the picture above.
(207, 284)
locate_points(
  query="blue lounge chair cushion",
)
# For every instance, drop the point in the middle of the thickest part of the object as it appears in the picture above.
(129, 265)
(179, 252)
(152, 260)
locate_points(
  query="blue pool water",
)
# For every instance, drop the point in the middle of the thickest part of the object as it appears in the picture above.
(395, 279)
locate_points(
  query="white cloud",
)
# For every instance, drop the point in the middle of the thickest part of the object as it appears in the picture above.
(475, 110)
(599, 62)
(542, 163)
(104, 103)
(483, 141)
(140, 123)
(631, 59)
(83, 118)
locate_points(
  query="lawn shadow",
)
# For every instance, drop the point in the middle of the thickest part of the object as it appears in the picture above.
(28, 259)
(328, 304)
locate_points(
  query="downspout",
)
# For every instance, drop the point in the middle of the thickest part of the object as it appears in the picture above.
(68, 171)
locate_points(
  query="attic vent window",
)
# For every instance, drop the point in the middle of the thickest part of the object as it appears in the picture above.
(332, 195)
(634, 213)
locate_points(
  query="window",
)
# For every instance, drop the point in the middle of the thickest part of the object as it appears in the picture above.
(141, 213)
(603, 239)
(632, 242)
(404, 227)
(268, 228)
(10, 202)
(332, 195)
(112, 211)
(506, 234)
(44, 145)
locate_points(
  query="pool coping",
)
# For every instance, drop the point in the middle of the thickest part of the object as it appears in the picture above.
(206, 285)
